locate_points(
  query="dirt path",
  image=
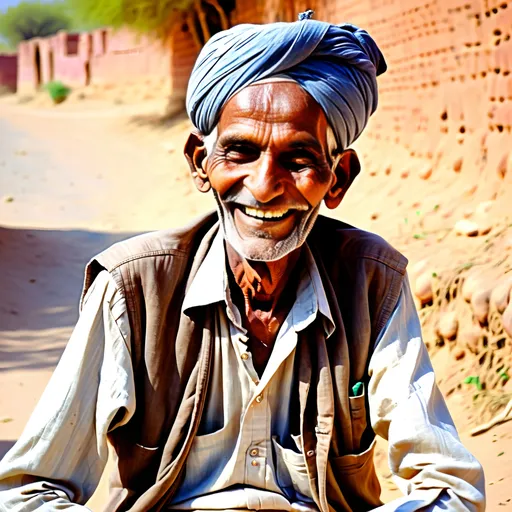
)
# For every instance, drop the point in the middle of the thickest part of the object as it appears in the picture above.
(71, 183)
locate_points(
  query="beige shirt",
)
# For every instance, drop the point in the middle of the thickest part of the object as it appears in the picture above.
(243, 456)
(65, 440)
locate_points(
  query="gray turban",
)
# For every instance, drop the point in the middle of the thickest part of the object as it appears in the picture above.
(336, 64)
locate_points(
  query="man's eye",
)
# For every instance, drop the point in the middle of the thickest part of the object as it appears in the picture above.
(241, 152)
(297, 163)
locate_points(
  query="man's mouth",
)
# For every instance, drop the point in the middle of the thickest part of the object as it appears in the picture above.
(267, 215)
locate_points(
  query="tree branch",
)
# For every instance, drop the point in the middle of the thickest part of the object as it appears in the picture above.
(202, 19)
(224, 20)
(191, 22)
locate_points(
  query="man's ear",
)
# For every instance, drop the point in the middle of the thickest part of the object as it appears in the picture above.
(195, 153)
(344, 174)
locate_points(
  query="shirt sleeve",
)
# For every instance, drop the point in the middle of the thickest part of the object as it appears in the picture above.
(59, 458)
(429, 463)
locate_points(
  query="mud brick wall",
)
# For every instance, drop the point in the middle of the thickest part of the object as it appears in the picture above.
(446, 99)
(118, 57)
(61, 57)
(8, 71)
(109, 58)
(183, 53)
(28, 78)
(70, 56)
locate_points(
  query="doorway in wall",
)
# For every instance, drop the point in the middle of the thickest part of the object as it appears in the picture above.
(51, 70)
(87, 73)
(37, 67)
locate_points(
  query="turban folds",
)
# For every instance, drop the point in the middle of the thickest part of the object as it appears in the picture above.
(336, 64)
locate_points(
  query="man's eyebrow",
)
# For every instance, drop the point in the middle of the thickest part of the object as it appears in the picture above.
(235, 138)
(307, 144)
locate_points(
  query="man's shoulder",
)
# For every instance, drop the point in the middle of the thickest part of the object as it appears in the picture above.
(339, 240)
(177, 242)
(151, 253)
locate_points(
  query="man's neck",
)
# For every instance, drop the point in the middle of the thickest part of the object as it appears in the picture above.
(267, 300)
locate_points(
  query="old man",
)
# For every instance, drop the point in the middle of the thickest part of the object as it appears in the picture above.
(248, 360)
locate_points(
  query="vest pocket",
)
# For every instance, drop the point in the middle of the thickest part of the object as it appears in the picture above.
(138, 465)
(357, 479)
(358, 417)
(291, 471)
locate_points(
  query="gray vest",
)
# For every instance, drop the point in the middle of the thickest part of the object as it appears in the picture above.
(362, 276)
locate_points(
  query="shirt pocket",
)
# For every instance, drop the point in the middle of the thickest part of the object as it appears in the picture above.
(291, 471)
(208, 454)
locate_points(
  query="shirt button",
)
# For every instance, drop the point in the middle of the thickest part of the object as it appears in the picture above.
(254, 463)
(245, 356)
(259, 398)
(310, 453)
(254, 452)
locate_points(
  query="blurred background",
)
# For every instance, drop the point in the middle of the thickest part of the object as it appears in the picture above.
(92, 127)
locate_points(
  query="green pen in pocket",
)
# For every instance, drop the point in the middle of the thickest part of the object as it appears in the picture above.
(357, 389)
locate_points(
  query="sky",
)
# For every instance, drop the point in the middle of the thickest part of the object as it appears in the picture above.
(8, 3)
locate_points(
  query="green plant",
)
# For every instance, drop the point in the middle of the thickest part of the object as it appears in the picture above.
(58, 91)
(474, 379)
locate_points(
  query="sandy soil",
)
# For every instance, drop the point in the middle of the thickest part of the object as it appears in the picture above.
(75, 179)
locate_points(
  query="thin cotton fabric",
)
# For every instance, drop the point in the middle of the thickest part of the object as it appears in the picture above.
(336, 64)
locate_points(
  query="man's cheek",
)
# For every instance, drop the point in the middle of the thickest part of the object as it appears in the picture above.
(221, 175)
(312, 191)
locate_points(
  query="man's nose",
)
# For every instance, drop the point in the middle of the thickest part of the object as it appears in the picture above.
(265, 180)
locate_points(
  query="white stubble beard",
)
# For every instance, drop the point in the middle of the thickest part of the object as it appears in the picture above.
(271, 250)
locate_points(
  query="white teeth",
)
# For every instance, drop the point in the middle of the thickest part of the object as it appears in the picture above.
(264, 214)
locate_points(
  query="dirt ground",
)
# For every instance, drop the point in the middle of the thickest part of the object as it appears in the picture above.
(77, 178)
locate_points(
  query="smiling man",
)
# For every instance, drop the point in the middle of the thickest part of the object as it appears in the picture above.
(247, 361)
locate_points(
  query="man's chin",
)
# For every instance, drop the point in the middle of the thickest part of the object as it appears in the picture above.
(261, 249)
(270, 244)
(261, 246)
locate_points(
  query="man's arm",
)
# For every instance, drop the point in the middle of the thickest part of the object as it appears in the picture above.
(429, 463)
(59, 458)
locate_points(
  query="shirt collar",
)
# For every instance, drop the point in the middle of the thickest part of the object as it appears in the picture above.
(210, 285)
(319, 290)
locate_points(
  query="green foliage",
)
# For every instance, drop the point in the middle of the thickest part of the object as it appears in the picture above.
(474, 379)
(503, 374)
(145, 16)
(58, 91)
(33, 19)
(6, 48)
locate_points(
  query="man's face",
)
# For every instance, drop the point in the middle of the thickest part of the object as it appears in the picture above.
(270, 168)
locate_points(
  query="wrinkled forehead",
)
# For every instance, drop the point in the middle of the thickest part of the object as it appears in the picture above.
(274, 101)
(278, 99)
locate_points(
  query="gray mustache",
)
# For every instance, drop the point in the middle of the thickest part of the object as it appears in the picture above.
(245, 198)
